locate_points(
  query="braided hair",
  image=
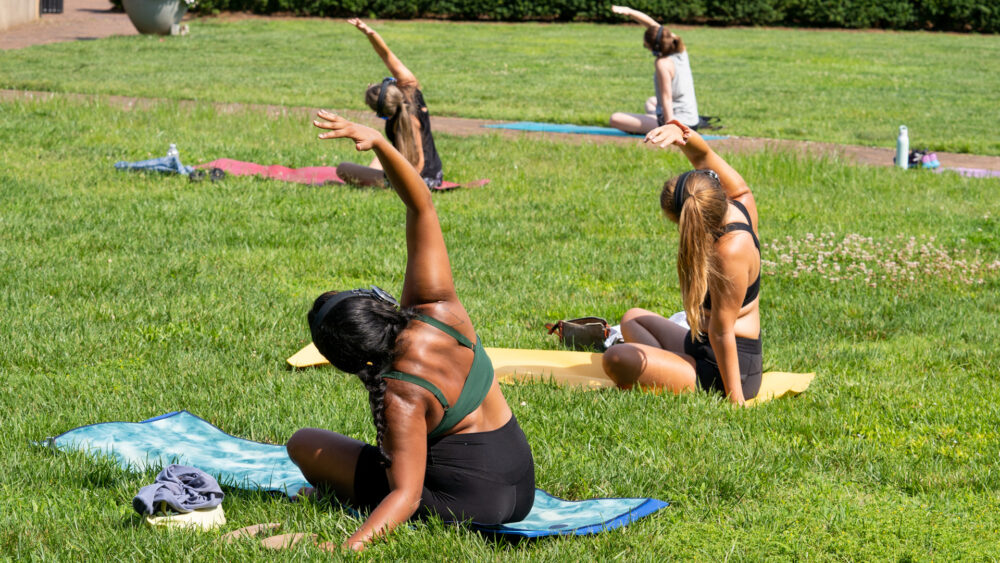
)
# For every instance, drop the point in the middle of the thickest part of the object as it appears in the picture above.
(358, 335)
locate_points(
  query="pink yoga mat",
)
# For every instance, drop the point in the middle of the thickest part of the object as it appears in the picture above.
(310, 175)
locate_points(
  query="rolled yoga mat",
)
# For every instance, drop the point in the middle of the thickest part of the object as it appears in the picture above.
(577, 369)
(181, 437)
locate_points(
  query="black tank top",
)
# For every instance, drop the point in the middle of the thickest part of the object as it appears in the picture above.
(432, 162)
(754, 288)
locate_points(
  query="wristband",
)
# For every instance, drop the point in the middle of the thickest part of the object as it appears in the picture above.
(685, 130)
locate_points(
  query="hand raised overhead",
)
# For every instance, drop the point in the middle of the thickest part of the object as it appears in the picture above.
(667, 135)
(356, 22)
(339, 128)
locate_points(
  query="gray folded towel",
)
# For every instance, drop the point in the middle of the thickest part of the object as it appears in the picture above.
(183, 488)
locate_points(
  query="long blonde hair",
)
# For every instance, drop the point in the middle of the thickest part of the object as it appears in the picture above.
(700, 221)
(396, 102)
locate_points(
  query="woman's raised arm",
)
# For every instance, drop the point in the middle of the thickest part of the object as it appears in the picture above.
(635, 15)
(428, 270)
(701, 155)
(399, 71)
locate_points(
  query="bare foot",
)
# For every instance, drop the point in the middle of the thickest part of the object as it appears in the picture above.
(287, 541)
(249, 531)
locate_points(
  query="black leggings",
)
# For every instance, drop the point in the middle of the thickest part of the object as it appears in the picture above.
(483, 477)
(751, 357)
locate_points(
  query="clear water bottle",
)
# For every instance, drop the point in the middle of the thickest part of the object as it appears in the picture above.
(903, 148)
(172, 151)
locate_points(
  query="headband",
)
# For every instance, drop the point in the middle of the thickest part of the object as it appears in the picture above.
(657, 41)
(381, 95)
(375, 292)
(680, 195)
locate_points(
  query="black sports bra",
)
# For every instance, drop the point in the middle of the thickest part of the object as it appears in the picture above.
(754, 288)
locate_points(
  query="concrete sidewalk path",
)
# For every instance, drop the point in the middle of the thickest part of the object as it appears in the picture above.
(81, 20)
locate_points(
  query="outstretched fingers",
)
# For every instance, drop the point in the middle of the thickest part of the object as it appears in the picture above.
(665, 136)
(339, 128)
(356, 22)
(336, 125)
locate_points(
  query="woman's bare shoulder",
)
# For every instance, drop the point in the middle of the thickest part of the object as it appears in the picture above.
(735, 247)
(665, 64)
(409, 86)
(405, 399)
(449, 312)
(750, 204)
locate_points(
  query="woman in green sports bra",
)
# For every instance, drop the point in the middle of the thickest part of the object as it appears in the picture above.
(447, 444)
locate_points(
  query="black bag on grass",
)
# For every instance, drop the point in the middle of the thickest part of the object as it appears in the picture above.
(707, 123)
(585, 333)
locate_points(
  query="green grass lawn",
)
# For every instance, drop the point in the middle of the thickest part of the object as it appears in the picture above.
(842, 87)
(129, 295)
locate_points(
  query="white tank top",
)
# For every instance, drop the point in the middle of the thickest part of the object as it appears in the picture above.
(684, 104)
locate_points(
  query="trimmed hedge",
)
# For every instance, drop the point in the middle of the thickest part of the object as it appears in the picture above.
(943, 15)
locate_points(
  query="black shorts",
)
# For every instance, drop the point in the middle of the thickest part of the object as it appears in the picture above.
(435, 181)
(483, 477)
(751, 356)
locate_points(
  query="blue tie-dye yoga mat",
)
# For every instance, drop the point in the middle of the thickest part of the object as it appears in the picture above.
(181, 437)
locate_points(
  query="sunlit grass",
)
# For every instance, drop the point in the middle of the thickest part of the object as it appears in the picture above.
(835, 86)
(129, 295)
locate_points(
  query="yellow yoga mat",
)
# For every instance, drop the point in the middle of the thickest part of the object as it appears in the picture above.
(307, 357)
(573, 369)
(776, 384)
(581, 369)
(577, 369)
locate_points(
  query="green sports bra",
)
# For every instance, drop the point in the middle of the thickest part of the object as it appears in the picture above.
(477, 385)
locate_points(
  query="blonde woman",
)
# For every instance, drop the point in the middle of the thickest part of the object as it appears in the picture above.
(400, 102)
(718, 263)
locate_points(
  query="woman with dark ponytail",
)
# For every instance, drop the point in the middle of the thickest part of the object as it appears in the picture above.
(672, 80)
(718, 263)
(447, 443)
(399, 101)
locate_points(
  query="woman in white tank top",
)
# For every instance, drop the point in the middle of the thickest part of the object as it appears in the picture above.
(672, 80)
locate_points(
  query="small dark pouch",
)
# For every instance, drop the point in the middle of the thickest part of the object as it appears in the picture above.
(585, 333)
(707, 123)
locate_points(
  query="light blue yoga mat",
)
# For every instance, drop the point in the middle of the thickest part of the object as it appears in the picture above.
(576, 129)
(181, 437)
